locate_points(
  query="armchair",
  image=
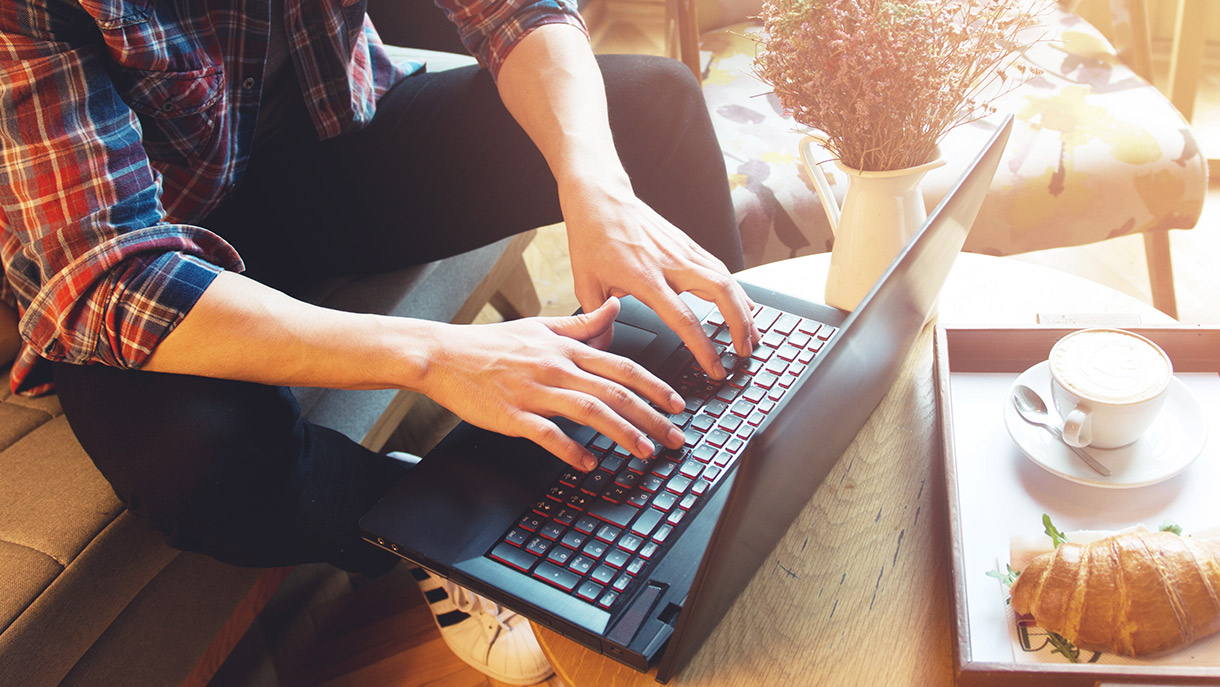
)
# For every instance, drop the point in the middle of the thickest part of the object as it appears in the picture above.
(1096, 151)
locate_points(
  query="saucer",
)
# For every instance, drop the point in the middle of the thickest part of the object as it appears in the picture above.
(1170, 445)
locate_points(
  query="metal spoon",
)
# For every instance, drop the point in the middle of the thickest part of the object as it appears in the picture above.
(1032, 409)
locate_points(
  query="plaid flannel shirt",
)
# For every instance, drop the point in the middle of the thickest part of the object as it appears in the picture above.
(124, 122)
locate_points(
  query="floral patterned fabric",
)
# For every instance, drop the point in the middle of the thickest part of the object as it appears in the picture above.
(1096, 152)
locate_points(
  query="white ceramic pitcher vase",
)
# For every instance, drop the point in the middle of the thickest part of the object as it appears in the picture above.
(880, 213)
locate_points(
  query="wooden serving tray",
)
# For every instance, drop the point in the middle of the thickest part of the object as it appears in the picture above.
(995, 492)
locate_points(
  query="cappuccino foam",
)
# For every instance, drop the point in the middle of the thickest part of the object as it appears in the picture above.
(1110, 366)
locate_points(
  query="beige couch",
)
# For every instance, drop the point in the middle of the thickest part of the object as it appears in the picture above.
(89, 595)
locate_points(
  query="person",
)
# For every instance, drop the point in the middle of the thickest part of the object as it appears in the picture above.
(176, 173)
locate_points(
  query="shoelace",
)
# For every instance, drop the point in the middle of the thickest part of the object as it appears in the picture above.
(467, 601)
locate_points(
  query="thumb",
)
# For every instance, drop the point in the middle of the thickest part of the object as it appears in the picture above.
(591, 325)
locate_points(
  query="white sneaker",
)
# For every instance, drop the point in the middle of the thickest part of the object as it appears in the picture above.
(488, 637)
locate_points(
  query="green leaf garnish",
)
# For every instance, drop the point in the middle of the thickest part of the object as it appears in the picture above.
(1171, 526)
(1056, 536)
(1007, 578)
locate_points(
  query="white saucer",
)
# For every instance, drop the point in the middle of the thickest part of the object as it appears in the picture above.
(1173, 442)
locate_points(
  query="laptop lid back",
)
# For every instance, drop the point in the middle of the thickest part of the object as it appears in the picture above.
(787, 460)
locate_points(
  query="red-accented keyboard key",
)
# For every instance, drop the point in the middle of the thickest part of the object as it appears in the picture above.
(808, 327)
(618, 514)
(647, 521)
(564, 579)
(517, 536)
(589, 591)
(617, 558)
(718, 438)
(616, 493)
(664, 501)
(603, 574)
(531, 522)
(560, 555)
(608, 599)
(651, 484)
(518, 558)
(551, 530)
(766, 318)
(538, 545)
(678, 484)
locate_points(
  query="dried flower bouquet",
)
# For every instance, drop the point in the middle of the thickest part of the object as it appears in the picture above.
(885, 80)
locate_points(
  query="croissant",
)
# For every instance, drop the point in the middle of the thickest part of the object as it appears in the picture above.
(1135, 594)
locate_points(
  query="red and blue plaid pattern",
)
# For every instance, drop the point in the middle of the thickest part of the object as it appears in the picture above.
(125, 122)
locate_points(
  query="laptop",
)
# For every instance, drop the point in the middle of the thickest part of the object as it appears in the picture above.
(640, 559)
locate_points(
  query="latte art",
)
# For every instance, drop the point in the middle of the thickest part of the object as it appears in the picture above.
(1110, 366)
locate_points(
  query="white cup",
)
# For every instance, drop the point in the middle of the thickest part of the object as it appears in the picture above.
(1109, 385)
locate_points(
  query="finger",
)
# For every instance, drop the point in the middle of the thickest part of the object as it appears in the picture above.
(588, 409)
(674, 312)
(630, 375)
(630, 406)
(718, 286)
(548, 435)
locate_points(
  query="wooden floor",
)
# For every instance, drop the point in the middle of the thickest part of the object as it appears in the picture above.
(326, 629)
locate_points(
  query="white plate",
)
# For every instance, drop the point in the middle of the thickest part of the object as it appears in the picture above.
(1171, 444)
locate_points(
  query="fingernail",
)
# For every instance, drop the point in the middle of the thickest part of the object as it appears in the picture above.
(675, 438)
(676, 404)
(588, 463)
(645, 446)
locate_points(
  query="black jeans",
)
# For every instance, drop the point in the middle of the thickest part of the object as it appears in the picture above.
(230, 469)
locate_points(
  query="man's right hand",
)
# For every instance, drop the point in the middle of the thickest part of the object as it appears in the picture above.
(513, 377)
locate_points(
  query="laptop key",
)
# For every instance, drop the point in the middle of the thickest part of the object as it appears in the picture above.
(617, 558)
(615, 513)
(608, 599)
(581, 564)
(573, 539)
(638, 498)
(586, 525)
(616, 494)
(604, 574)
(571, 477)
(551, 530)
(518, 558)
(595, 549)
(560, 555)
(647, 521)
(517, 536)
(564, 579)
(589, 591)
(530, 522)
(538, 545)
(595, 481)
(630, 542)
(609, 533)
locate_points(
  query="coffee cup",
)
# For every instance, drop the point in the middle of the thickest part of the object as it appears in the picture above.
(1108, 385)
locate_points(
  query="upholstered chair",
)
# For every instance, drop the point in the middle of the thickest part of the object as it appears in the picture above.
(1096, 151)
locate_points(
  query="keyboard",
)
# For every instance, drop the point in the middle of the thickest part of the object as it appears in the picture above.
(594, 535)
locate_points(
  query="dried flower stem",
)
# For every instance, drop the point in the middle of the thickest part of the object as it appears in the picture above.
(885, 80)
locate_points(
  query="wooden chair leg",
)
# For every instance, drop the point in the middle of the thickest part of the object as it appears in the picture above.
(1160, 272)
(517, 296)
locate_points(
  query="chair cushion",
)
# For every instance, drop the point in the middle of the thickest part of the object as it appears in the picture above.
(1096, 152)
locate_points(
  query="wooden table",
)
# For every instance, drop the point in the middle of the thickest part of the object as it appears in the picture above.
(858, 590)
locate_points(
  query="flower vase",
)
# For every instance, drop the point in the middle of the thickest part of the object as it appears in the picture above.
(881, 212)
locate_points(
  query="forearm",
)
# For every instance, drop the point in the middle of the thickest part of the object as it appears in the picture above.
(240, 329)
(553, 87)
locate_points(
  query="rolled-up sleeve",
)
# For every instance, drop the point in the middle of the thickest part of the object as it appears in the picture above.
(491, 28)
(99, 275)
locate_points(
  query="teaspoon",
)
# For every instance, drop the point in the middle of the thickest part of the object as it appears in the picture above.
(1032, 409)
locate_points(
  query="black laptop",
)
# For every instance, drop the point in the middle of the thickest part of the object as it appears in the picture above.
(639, 559)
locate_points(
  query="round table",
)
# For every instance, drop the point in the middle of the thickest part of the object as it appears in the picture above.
(858, 589)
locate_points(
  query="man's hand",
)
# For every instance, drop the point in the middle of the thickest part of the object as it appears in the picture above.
(513, 377)
(552, 85)
(619, 246)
